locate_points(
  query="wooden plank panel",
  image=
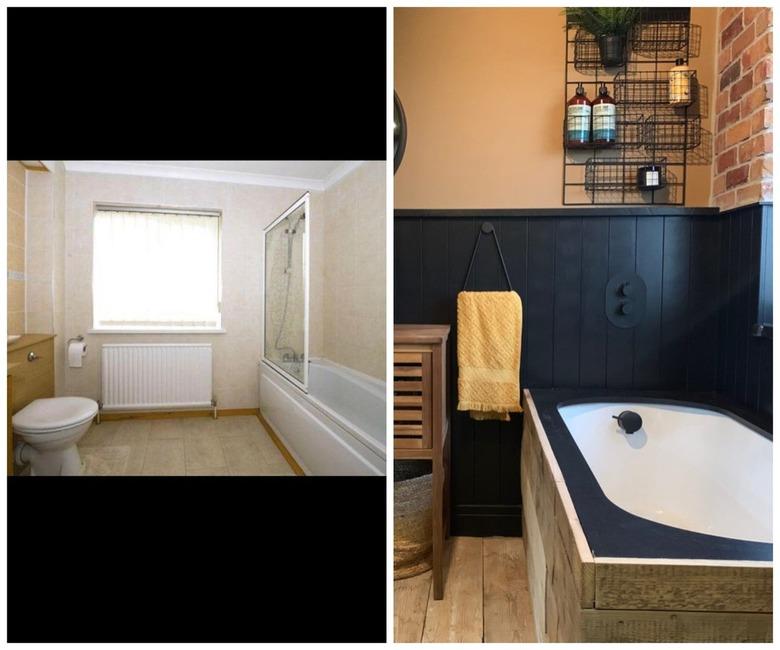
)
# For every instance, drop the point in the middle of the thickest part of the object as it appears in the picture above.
(407, 259)
(703, 304)
(540, 301)
(407, 357)
(407, 371)
(507, 603)
(697, 627)
(457, 618)
(647, 339)
(435, 270)
(407, 415)
(620, 341)
(462, 232)
(407, 400)
(568, 258)
(407, 386)
(593, 320)
(674, 332)
(410, 605)
(700, 586)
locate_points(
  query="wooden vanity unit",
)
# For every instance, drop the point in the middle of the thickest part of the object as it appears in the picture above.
(579, 597)
(30, 377)
(421, 422)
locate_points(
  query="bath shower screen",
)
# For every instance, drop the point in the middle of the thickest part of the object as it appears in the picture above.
(286, 293)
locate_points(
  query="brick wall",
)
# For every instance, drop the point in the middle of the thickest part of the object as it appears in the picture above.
(742, 168)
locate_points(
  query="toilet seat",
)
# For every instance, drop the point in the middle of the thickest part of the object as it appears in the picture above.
(52, 414)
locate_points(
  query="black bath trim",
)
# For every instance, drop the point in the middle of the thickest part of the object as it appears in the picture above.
(612, 531)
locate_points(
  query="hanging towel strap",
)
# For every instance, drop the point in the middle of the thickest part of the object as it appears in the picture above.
(487, 228)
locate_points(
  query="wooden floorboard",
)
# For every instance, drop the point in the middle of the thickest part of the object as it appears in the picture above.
(457, 618)
(411, 605)
(485, 596)
(507, 602)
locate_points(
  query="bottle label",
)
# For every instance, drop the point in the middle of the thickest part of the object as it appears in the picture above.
(604, 122)
(652, 179)
(578, 122)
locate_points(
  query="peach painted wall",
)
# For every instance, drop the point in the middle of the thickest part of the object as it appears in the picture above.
(483, 94)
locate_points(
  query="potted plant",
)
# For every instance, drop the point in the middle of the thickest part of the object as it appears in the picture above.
(610, 27)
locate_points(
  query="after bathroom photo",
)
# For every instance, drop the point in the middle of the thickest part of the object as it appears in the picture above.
(196, 318)
(582, 350)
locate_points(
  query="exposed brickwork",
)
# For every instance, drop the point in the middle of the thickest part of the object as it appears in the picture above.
(743, 108)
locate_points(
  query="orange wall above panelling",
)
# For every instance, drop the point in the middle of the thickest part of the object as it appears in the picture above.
(483, 94)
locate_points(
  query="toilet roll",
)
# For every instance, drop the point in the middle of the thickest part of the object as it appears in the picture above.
(77, 350)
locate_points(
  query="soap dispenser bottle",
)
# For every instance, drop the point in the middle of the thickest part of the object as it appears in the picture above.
(578, 119)
(604, 118)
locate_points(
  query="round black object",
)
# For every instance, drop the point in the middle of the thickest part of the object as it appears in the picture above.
(399, 132)
(629, 421)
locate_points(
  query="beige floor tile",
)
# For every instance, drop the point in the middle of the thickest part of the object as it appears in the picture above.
(105, 461)
(166, 429)
(164, 458)
(135, 460)
(208, 471)
(197, 426)
(279, 467)
(203, 450)
(243, 456)
(100, 435)
(266, 445)
(133, 432)
(236, 425)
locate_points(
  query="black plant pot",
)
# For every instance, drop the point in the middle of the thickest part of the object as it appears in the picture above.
(612, 50)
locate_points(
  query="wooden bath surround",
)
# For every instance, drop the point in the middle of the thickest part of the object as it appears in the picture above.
(577, 597)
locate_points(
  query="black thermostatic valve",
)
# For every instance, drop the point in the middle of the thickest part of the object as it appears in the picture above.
(625, 300)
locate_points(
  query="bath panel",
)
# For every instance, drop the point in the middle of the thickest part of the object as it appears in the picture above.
(328, 438)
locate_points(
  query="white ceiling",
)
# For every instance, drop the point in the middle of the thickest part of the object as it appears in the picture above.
(314, 169)
(308, 174)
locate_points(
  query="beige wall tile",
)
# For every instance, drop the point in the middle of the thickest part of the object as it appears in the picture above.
(16, 322)
(16, 229)
(16, 198)
(15, 258)
(353, 299)
(16, 170)
(15, 296)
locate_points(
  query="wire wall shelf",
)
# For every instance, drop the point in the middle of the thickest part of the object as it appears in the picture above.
(651, 133)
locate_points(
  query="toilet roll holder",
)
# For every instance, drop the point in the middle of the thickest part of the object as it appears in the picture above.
(79, 338)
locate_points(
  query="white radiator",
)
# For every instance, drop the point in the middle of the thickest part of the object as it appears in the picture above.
(156, 375)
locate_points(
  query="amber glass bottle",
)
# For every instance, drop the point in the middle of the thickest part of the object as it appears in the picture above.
(604, 118)
(578, 119)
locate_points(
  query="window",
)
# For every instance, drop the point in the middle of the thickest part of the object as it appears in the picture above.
(155, 270)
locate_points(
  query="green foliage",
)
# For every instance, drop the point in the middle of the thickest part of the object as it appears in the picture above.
(603, 21)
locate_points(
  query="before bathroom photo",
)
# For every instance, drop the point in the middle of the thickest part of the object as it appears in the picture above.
(196, 318)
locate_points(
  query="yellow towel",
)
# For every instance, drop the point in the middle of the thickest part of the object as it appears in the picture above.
(489, 329)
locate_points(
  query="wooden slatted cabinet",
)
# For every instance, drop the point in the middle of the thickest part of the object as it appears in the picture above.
(421, 421)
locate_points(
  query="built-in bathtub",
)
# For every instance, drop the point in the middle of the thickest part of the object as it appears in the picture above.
(337, 427)
(659, 535)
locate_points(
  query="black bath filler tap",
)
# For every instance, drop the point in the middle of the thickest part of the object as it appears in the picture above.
(629, 421)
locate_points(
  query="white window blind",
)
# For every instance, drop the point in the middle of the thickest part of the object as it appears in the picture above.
(156, 270)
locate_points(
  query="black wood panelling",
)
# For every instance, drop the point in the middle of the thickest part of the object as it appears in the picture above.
(745, 361)
(559, 262)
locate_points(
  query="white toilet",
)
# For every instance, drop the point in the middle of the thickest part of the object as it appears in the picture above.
(50, 429)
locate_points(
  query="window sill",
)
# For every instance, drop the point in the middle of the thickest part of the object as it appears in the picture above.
(125, 330)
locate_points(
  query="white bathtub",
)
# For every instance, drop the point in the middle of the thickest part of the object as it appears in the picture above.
(687, 467)
(338, 428)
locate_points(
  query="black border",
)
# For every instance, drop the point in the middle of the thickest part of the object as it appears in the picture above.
(612, 531)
